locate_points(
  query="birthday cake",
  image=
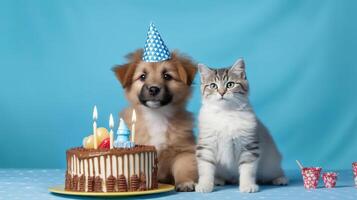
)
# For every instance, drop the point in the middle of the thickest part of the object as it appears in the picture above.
(105, 165)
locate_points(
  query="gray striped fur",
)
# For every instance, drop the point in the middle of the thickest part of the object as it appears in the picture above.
(232, 143)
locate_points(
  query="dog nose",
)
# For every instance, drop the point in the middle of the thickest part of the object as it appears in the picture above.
(153, 90)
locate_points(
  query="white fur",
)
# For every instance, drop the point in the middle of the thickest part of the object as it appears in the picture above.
(156, 120)
(221, 124)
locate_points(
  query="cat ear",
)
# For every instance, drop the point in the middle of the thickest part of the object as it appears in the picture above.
(238, 66)
(204, 71)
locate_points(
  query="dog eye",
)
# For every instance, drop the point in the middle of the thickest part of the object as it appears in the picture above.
(143, 77)
(167, 77)
(230, 84)
(213, 86)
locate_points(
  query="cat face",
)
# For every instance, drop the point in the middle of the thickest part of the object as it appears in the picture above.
(226, 86)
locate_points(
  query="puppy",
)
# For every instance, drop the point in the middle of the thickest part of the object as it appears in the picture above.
(158, 91)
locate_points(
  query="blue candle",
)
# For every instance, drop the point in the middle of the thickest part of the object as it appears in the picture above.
(123, 139)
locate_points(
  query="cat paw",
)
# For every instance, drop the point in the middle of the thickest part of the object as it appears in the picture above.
(204, 187)
(185, 186)
(280, 181)
(249, 188)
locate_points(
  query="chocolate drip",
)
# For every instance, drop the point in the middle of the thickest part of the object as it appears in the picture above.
(105, 166)
(111, 164)
(89, 180)
(134, 182)
(90, 184)
(128, 168)
(117, 168)
(122, 165)
(142, 186)
(111, 183)
(98, 184)
(99, 168)
(75, 183)
(68, 181)
(154, 183)
(82, 182)
(83, 153)
(92, 161)
(121, 183)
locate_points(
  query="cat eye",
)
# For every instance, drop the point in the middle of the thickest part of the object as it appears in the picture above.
(230, 84)
(167, 76)
(142, 77)
(213, 86)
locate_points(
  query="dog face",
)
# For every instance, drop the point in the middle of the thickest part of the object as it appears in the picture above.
(156, 84)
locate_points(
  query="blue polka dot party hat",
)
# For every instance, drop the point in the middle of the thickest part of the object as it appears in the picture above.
(155, 49)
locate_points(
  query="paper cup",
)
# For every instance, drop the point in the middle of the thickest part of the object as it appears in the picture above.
(329, 179)
(354, 168)
(311, 177)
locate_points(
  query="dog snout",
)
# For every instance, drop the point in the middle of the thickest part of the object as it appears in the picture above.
(154, 90)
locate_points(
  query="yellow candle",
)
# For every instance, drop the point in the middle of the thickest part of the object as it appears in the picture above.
(111, 126)
(95, 117)
(95, 134)
(133, 121)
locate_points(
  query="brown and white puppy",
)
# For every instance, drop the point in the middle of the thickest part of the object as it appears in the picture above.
(158, 91)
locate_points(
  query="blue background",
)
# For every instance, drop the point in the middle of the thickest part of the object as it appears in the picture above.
(56, 56)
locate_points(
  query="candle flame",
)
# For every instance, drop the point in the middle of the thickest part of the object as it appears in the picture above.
(111, 121)
(133, 116)
(95, 113)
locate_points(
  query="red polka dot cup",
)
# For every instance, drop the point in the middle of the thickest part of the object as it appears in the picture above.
(354, 168)
(311, 177)
(329, 179)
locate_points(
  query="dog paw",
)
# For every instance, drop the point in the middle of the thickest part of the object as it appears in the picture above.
(204, 187)
(249, 188)
(280, 181)
(185, 187)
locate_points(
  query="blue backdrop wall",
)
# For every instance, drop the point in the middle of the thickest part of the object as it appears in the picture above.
(55, 59)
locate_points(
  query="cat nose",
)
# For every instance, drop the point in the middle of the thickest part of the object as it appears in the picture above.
(221, 92)
(154, 90)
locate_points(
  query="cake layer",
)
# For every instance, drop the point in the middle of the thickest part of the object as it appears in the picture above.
(118, 169)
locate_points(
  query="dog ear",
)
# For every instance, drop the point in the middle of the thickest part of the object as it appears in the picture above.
(121, 72)
(186, 67)
(125, 72)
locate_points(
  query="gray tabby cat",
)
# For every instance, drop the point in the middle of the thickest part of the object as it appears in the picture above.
(233, 145)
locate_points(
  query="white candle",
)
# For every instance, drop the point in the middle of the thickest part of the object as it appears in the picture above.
(111, 126)
(95, 117)
(133, 121)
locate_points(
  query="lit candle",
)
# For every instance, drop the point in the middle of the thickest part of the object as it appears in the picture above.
(133, 120)
(111, 126)
(95, 117)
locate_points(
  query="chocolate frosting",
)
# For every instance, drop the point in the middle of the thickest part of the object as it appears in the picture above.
(90, 184)
(122, 186)
(82, 153)
(75, 183)
(68, 181)
(82, 182)
(134, 182)
(98, 184)
(111, 183)
(154, 182)
(142, 186)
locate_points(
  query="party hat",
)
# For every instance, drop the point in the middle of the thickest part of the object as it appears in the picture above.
(155, 49)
